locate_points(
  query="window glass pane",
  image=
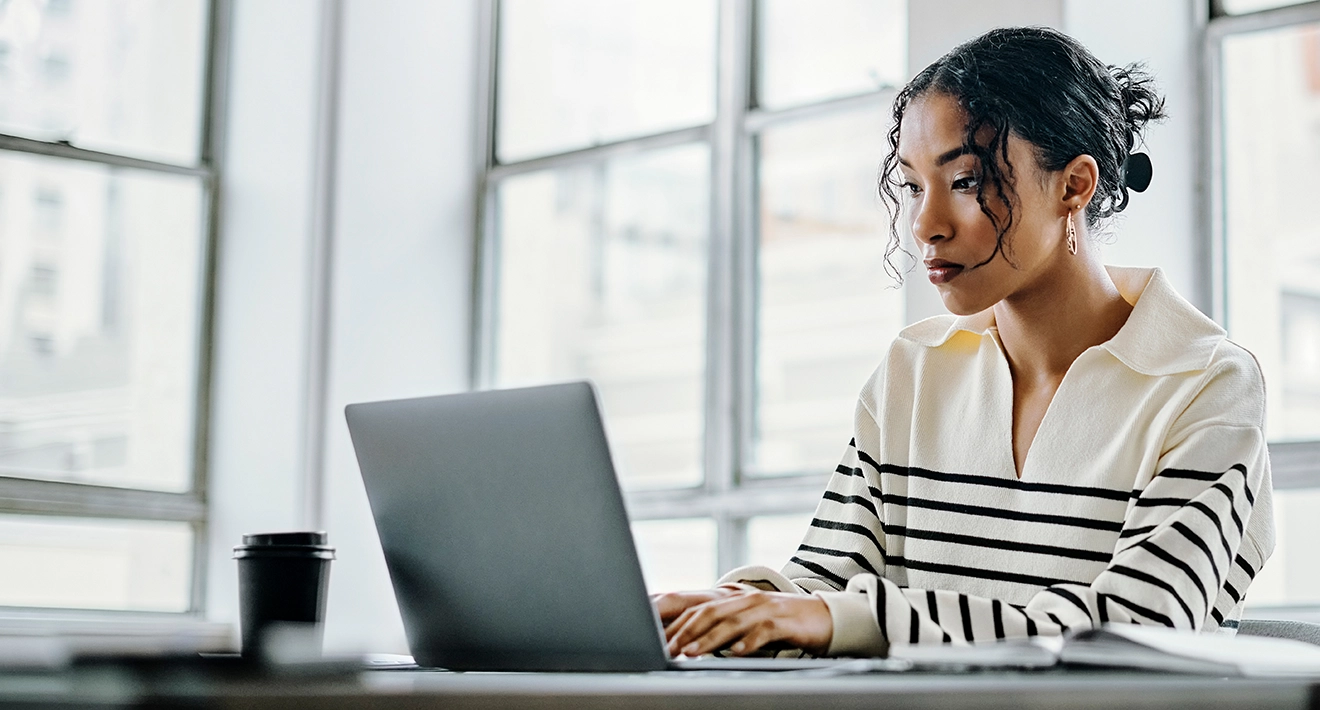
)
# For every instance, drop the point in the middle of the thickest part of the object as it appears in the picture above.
(121, 76)
(1238, 7)
(100, 278)
(1271, 142)
(575, 73)
(773, 539)
(602, 275)
(810, 50)
(95, 564)
(1292, 574)
(826, 310)
(676, 554)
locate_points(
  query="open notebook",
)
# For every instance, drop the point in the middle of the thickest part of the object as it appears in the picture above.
(1131, 646)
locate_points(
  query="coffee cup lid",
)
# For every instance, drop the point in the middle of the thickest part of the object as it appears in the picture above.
(286, 538)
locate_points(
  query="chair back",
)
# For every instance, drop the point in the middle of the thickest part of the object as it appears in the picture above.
(1281, 628)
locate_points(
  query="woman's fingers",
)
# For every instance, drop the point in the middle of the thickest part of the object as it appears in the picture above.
(742, 632)
(748, 621)
(698, 621)
(672, 604)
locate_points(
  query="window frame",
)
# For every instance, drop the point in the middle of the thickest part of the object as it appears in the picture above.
(27, 496)
(1294, 464)
(730, 493)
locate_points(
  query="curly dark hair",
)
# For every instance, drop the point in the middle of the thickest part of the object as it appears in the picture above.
(1046, 88)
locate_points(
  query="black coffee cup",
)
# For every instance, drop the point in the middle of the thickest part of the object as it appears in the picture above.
(283, 580)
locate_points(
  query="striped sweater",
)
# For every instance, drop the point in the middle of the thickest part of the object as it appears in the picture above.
(1144, 498)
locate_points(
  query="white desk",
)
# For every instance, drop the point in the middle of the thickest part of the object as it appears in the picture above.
(107, 687)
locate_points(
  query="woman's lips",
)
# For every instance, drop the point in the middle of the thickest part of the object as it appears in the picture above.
(940, 271)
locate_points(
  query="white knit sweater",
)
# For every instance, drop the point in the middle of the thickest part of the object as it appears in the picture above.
(1144, 498)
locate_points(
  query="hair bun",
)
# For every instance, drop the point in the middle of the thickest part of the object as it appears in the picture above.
(1137, 171)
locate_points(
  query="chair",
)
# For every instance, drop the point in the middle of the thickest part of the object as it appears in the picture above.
(1281, 628)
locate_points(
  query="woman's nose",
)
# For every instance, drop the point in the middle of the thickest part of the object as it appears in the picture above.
(930, 220)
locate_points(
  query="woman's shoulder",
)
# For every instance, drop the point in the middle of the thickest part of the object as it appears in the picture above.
(930, 348)
(1232, 386)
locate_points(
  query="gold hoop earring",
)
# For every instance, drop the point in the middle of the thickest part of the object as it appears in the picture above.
(1072, 235)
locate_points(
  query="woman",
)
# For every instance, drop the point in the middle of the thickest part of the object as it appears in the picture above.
(1076, 444)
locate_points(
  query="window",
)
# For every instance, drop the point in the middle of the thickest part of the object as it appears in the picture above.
(1266, 76)
(107, 173)
(679, 203)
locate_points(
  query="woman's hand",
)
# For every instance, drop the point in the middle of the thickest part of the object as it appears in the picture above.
(743, 620)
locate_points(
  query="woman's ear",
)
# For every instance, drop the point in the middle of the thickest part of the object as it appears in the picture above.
(1081, 177)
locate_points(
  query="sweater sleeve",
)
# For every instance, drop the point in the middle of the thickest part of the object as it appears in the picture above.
(1184, 538)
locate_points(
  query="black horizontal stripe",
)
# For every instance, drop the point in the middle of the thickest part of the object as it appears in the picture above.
(997, 613)
(852, 528)
(1219, 618)
(1148, 613)
(1196, 540)
(1160, 502)
(997, 575)
(914, 626)
(993, 482)
(933, 610)
(1133, 532)
(1246, 567)
(1194, 475)
(881, 613)
(840, 582)
(856, 557)
(965, 611)
(1156, 582)
(1233, 593)
(1229, 495)
(1001, 513)
(1057, 622)
(1102, 607)
(1251, 498)
(1214, 518)
(1070, 598)
(852, 500)
(849, 471)
(994, 544)
(1163, 554)
(1237, 521)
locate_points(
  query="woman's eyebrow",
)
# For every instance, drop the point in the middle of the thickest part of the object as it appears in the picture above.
(944, 158)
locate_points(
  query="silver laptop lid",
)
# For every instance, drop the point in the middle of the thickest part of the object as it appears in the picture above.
(504, 531)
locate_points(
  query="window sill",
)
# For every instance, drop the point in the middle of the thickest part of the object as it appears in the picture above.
(50, 637)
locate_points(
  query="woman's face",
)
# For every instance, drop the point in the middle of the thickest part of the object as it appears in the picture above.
(956, 238)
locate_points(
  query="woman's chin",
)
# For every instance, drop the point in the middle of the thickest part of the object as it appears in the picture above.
(959, 305)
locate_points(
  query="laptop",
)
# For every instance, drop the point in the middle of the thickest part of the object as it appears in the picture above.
(506, 537)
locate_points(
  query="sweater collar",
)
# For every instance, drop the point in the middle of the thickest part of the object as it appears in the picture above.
(1164, 334)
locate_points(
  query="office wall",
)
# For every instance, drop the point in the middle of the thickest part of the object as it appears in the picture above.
(262, 280)
(1161, 226)
(401, 280)
(398, 283)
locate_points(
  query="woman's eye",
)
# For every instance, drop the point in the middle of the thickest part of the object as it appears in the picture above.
(968, 182)
(911, 188)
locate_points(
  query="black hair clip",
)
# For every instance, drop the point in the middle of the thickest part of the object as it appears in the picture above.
(1136, 172)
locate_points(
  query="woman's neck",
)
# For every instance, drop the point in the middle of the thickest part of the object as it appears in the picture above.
(1070, 308)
